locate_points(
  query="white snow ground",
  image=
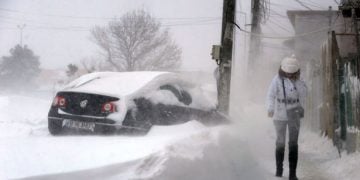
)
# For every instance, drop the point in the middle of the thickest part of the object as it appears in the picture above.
(243, 150)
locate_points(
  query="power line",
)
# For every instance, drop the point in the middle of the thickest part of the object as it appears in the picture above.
(316, 4)
(282, 5)
(303, 4)
(191, 24)
(287, 37)
(99, 18)
(169, 22)
(18, 20)
(192, 21)
(47, 26)
(278, 15)
(52, 15)
(84, 28)
(190, 18)
(310, 3)
(272, 29)
(273, 11)
(280, 26)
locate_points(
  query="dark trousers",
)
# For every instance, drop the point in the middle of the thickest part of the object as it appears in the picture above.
(293, 127)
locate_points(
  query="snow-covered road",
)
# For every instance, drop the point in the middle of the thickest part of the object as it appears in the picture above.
(37, 155)
(244, 150)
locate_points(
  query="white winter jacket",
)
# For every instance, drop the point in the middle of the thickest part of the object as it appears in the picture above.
(295, 95)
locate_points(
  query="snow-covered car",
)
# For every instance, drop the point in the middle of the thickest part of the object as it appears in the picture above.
(108, 102)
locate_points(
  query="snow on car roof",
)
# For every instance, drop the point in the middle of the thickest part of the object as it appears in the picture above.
(113, 83)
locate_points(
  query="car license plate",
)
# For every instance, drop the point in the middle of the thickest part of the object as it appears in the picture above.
(78, 124)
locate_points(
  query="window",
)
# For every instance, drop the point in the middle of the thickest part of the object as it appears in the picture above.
(182, 95)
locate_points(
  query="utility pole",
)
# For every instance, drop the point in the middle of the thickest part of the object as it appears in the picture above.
(330, 18)
(223, 55)
(245, 24)
(255, 31)
(21, 27)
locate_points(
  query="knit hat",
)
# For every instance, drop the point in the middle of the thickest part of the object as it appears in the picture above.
(290, 65)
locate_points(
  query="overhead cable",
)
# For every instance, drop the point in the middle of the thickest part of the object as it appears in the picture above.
(287, 37)
(98, 18)
(280, 26)
(303, 4)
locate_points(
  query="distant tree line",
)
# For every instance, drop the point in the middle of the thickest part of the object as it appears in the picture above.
(18, 70)
(134, 42)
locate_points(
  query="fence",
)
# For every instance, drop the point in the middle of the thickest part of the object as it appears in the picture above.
(340, 113)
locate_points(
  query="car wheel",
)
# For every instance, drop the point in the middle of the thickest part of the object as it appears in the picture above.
(138, 121)
(55, 127)
(141, 126)
(144, 127)
(144, 118)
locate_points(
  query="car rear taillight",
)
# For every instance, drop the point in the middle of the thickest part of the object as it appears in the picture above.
(59, 101)
(108, 107)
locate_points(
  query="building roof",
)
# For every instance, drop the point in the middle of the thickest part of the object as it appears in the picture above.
(293, 13)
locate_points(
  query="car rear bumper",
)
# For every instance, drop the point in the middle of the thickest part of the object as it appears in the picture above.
(101, 124)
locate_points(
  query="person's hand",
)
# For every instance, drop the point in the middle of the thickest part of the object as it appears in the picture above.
(270, 114)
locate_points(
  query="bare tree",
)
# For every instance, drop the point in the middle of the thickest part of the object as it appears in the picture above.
(137, 42)
(72, 69)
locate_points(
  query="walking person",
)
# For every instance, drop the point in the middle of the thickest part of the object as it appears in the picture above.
(285, 102)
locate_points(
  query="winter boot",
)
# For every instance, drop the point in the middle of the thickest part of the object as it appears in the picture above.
(279, 154)
(293, 158)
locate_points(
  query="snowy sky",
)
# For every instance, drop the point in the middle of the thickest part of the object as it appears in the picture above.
(58, 30)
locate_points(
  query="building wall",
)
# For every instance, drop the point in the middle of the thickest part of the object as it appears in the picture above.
(311, 31)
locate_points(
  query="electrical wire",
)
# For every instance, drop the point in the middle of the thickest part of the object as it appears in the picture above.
(37, 26)
(280, 26)
(287, 37)
(169, 22)
(303, 4)
(98, 18)
(18, 20)
(192, 24)
(282, 5)
(52, 15)
(272, 29)
(313, 4)
(278, 14)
